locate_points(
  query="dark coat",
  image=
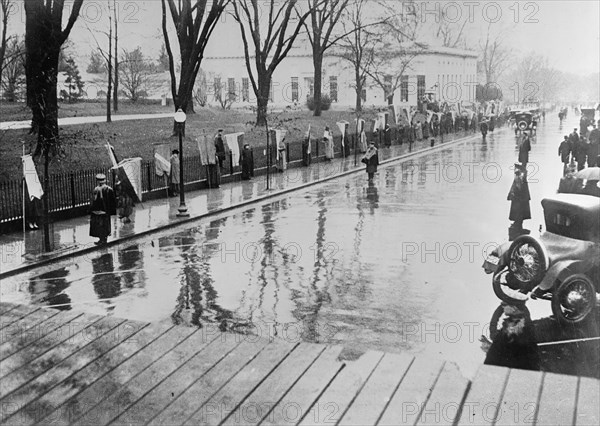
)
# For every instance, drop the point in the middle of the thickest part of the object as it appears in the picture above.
(524, 149)
(519, 198)
(564, 150)
(372, 163)
(220, 147)
(247, 163)
(102, 206)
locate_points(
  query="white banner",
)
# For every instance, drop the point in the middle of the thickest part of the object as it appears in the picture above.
(231, 140)
(31, 178)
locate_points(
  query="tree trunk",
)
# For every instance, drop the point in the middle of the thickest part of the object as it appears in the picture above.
(116, 86)
(262, 99)
(359, 87)
(318, 77)
(47, 246)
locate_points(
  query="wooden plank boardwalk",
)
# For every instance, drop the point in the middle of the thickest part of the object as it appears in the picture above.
(72, 368)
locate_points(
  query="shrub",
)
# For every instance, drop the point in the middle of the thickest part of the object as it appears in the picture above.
(325, 103)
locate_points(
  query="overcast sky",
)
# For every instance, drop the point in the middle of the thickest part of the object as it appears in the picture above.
(566, 32)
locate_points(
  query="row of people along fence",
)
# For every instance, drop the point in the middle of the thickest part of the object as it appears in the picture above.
(69, 192)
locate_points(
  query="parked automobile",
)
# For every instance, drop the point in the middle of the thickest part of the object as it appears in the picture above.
(562, 265)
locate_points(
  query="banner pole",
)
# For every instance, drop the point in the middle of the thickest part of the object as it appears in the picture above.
(23, 184)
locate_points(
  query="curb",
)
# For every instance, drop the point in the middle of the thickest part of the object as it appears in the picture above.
(260, 198)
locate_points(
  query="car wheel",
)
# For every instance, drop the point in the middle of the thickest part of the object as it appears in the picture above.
(507, 289)
(574, 299)
(527, 261)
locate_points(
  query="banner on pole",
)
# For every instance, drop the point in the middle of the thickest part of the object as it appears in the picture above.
(162, 163)
(129, 172)
(32, 179)
(111, 154)
(232, 142)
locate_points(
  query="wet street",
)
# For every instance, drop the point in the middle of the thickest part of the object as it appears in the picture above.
(394, 266)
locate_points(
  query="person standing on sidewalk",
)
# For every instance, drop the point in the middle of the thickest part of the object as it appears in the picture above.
(174, 176)
(220, 148)
(247, 162)
(524, 148)
(103, 205)
(371, 159)
(125, 202)
(519, 197)
(564, 151)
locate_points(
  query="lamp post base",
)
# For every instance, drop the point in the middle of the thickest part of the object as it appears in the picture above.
(182, 211)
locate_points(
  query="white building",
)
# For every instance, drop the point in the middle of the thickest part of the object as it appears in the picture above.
(450, 73)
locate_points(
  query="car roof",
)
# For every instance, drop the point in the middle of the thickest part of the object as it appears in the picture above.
(587, 203)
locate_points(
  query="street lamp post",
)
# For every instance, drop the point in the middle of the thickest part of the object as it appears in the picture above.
(180, 120)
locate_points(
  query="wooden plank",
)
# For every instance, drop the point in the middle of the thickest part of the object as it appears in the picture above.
(115, 404)
(25, 397)
(304, 393)
(196, 395)
(411, 395)
(331, 404)
(443, 405)
(483, 399)
(15, 315)
(588, 395)
(520, 398)
(83, 378)
(557, 401)
(114, 381)
(7, 307)
(70, 344)
(374, 397)
(63, 328)
(230, 396)
(275, 386)
(160, 397)
(20, 335)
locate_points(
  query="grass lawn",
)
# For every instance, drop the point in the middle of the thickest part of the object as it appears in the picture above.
(84, 145)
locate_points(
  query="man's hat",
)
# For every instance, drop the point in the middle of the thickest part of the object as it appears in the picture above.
(220, 130)
(100, 176)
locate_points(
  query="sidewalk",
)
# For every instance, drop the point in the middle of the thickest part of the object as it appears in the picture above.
(67, 121)
(20, 252)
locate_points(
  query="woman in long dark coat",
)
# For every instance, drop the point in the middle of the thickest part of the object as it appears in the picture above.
(371, 159)
(103, 205)
(524, 149)
(247, 162)
(519, 197)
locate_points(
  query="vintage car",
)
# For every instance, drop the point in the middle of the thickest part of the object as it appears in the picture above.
(561, 265)
(525, 120)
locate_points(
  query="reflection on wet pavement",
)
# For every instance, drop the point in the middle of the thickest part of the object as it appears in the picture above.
(394, 265)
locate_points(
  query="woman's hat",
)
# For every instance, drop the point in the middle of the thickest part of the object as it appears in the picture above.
(100, 176)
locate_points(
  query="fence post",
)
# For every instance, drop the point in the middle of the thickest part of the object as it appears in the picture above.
(72, 190)
(149, 177)
(287, 152)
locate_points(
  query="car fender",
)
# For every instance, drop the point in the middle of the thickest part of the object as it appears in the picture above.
(562, 269)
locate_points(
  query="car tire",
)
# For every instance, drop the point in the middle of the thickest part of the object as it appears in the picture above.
(528, 268)
(506, 293)
(585, 287)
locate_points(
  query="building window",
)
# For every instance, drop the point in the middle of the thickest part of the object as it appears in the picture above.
(294, 89)
(231, 89)
(309, 83)
(420, 86)
(245, 89)
(333, 88)
(404, 89)
(217, 88)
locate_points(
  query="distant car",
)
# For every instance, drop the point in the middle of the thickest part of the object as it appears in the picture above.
(562, 265)
(525, 120)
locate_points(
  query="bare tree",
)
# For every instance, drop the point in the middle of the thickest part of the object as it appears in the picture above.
(494, 56)
(13, 81)
(271, 44)
(5, 6)
(194, 25)
(134, 73)
(44, 37)
(450, 30)
(534, 80)
(323, 19)
(396, 47)
(359, 45)
(116, 57)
